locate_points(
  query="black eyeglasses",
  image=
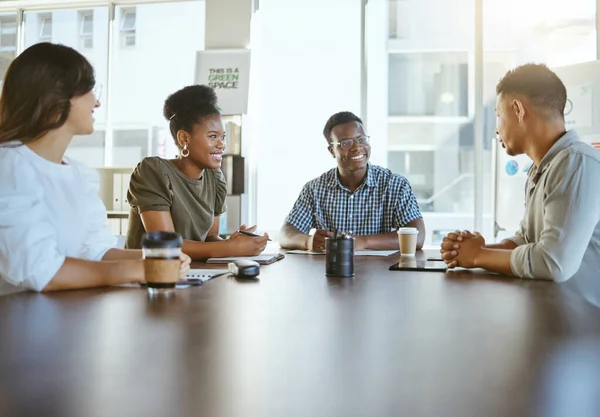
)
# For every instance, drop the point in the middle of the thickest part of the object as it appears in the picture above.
(347, 144)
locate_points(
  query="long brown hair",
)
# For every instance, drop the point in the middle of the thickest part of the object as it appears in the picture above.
(37, 90)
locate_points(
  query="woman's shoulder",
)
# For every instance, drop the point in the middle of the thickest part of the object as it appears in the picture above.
(82, 168)
(154, 163)
(9, 158)
(15, 170)
(152, 167)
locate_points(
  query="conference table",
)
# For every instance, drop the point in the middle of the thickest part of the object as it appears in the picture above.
(296, 343)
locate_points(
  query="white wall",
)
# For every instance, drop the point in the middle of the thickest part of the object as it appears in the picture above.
(377, 79)
(311, 70)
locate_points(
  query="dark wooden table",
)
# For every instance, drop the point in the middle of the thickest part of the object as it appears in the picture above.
(296, 343)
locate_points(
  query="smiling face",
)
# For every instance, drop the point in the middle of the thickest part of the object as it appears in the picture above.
(81, 114)
(206, 142)
(356, 157)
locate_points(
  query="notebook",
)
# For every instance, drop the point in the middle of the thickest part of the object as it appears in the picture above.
(264, 259)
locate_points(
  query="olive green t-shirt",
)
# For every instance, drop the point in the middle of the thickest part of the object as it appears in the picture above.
(157, 185)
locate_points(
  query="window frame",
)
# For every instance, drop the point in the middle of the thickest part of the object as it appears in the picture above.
(43, 21)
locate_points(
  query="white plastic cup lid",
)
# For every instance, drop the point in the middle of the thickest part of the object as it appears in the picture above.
(408, 231)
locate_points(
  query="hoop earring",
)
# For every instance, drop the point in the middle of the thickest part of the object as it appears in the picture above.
(185, 152)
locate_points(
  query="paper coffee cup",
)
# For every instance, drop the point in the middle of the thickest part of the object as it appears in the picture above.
(161, 252)
(407, 239)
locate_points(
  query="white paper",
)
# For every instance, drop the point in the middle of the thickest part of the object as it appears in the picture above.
(356, 253)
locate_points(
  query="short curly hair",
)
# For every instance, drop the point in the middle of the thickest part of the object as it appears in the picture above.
(340, 118)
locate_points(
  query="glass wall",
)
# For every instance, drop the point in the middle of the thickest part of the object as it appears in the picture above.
(85, 30)
(8, 41)
(516, 32)
(431, 98)
(153, 54)
(306, 64)
(431, 107)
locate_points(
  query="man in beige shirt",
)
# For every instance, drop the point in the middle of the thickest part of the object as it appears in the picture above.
(559, 237)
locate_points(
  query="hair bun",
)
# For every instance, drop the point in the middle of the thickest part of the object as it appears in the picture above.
(190, 96)
(206, 94)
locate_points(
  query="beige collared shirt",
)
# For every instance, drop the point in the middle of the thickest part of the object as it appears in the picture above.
(559, 237)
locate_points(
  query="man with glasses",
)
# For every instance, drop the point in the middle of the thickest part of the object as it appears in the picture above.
(368, 201)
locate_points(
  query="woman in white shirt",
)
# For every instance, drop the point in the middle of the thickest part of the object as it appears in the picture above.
(53, 229)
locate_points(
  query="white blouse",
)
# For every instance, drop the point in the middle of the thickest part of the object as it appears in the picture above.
(48, 212)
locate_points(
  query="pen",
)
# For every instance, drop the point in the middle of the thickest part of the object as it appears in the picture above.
(243, 232)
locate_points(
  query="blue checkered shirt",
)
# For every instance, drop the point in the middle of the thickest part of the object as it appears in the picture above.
(383, 203)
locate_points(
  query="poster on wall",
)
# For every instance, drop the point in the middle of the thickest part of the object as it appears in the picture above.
(578, 110)
(228, 72)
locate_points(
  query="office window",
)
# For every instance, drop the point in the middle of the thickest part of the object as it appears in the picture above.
(161, 62)
(45, 23)
(128, 25)
(78, 28)
(399, 19)
(429, 84)
(8, 42)
(425, 109)
(138, 128)
(86, 30)
(8, 33)
(517, 32)
(431, 89)
(430, 133)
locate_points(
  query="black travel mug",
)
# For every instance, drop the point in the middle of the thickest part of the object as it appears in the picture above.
(339, 256)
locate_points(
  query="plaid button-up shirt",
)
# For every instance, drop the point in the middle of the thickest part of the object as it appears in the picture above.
(383, 203)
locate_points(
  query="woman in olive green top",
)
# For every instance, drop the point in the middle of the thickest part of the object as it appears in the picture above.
(187, 194)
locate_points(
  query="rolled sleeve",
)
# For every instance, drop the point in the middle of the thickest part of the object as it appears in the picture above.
(302, 214)
(29, 256)
(406, 207)
(571, 212)
(149, 188)
(519, 237)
